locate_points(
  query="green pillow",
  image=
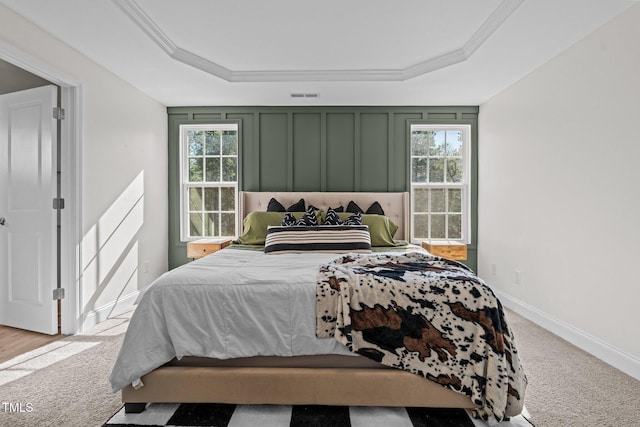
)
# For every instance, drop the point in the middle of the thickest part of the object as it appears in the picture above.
(256, 223)
(381, 229)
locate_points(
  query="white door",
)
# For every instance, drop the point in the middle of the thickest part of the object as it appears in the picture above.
(28, 185)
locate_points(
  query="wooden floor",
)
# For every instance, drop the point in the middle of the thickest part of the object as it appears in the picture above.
(14, 342)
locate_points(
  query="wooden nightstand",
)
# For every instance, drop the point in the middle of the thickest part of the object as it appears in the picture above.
(202, 247)
(446, 249)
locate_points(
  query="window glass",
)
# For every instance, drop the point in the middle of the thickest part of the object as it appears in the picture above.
(209, 187)
(439, 182)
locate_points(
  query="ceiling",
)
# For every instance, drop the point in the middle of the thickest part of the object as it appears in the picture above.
(330, 52)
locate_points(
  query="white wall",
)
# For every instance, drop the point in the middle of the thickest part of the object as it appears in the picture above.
(124, 175)
(559, 193)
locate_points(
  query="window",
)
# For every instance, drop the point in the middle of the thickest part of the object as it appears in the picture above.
(440, 163)
(209, 181)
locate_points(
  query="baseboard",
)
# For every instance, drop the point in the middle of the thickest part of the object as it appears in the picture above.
(112, 309)
(617, 358)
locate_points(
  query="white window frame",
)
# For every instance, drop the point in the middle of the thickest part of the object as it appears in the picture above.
(464, 186)
(185, 184)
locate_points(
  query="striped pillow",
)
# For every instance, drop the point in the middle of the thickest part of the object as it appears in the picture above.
(322, 238)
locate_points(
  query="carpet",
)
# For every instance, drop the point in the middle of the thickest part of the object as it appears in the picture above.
(72, 390)
(227, 415)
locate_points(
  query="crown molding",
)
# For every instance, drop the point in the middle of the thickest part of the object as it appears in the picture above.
(316, 75)
(495, 21)
(155, 33)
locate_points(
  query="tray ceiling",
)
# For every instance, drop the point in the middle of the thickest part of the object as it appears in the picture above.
(202, 52)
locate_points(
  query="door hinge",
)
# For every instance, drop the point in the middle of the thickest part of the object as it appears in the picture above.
(58, 113)
(58, 203)
(58, 294)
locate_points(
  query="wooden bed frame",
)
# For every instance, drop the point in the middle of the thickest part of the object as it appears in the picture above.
(324, 384)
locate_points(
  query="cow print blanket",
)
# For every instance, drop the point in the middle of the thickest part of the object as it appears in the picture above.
(427, 315)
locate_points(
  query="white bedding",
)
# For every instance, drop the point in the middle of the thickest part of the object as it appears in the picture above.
(234, 303)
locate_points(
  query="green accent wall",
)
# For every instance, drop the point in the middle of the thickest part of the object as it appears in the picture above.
(355, 148)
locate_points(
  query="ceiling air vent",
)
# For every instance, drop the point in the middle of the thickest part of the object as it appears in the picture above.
(305, 95)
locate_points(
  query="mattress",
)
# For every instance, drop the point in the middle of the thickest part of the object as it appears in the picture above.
(236, 303)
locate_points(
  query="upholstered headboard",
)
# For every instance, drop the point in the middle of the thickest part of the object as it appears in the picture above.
(395, 205)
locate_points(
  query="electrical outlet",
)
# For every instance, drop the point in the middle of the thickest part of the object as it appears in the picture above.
(145, 266)
(518, 277)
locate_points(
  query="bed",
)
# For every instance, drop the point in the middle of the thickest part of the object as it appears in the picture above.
(220, 360)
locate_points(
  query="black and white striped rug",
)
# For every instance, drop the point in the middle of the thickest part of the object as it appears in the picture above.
(224, 415)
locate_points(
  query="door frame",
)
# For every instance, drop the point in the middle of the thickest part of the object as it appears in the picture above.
(71, 179)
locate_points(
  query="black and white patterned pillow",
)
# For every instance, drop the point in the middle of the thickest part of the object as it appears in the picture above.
(309, 218)
(355, 219)
(288, 220)
(332, 218)
(328, 238)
